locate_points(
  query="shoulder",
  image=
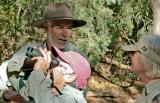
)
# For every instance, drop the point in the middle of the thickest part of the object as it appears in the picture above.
(35, 43)
(32, 44)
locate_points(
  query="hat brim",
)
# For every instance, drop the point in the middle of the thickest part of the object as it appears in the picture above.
(130, 48)
(76, 23)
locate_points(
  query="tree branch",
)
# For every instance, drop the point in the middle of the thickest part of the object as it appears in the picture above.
(155, 5)
(120, 65)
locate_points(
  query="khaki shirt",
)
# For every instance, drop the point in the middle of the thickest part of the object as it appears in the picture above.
(151, 92)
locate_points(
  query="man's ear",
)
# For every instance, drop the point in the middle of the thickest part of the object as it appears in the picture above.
(47, 25)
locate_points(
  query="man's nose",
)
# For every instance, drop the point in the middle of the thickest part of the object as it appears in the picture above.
(65, 32)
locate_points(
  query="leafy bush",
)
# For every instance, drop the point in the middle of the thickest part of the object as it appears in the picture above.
(110, 24)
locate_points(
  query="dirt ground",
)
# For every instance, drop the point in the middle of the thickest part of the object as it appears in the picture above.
(103, 91)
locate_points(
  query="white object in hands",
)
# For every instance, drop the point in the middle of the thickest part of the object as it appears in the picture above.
(4, 82)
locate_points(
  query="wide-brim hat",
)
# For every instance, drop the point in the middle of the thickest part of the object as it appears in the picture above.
(148, 45)
(78, 63)
(58, 11)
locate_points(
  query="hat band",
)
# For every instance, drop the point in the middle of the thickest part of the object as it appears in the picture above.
(150, 54)
(59, 18)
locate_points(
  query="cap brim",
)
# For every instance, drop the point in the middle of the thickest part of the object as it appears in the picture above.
(76, 23)
(129, 48)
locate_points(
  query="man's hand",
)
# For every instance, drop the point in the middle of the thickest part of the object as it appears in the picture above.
(30, 61)
(58, 77)
(9, 95)
(43, 63)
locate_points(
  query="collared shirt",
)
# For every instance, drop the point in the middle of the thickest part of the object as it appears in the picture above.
(151, 92)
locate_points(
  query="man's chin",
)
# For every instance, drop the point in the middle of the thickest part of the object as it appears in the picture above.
(61, 46)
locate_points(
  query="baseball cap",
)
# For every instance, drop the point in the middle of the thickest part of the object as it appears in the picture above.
(78, 63)
(148, 45)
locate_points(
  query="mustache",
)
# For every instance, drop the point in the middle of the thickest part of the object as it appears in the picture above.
(63, 39)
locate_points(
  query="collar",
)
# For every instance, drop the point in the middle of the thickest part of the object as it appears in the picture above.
(46, 45)
(151, 86)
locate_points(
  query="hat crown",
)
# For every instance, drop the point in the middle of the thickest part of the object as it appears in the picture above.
(152, 42)
(58, 10)
(149, 45)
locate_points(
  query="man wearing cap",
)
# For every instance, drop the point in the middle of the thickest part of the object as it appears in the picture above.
(57, 23)
(146, 64)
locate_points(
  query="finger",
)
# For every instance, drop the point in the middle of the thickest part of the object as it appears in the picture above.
(48, 74)
(39, 59)
(43, 53)
(57, 71)
(45, 50)
(41, 64)
(34, 58)
(58, 78)
(58, 68)
(48, 53)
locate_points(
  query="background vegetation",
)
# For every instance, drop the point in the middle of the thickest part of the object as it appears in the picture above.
(110, 24)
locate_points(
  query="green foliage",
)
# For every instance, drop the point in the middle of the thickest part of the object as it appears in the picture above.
(110, 24)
